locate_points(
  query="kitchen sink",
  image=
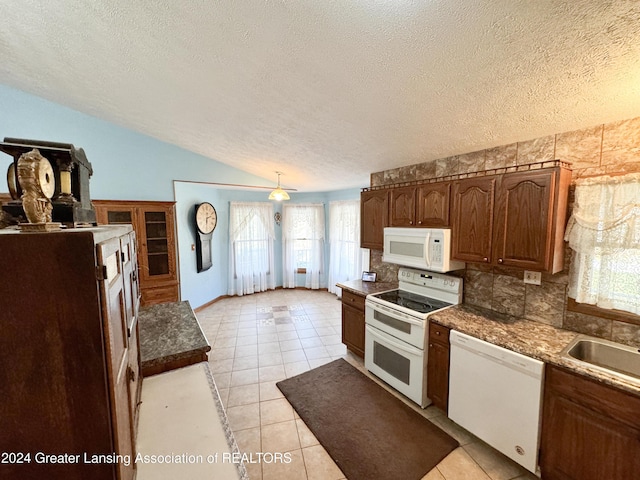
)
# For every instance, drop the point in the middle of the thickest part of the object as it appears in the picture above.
(605, 355)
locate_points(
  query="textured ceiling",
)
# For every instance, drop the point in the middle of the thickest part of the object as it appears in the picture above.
(328, 91)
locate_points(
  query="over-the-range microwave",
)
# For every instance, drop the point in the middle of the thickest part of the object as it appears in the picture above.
(424, 248)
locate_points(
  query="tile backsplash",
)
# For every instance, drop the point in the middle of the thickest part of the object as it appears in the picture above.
(604, 149)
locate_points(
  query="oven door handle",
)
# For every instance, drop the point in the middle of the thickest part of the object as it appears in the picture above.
(400, 346)
(393, 313)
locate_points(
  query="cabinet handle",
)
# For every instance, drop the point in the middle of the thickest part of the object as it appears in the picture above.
(431, 344)
(420, 222)
(486, 259)
(437, 333)
(410, 223)
(131, 374)
(500, 260)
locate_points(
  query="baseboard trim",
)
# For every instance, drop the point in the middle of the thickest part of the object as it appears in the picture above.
(222, 297)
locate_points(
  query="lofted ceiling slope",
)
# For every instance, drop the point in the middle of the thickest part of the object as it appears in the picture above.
(329, 91)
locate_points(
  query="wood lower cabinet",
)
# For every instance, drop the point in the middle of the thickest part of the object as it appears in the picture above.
(154, 224)
(515, 219)
(374, 216)
(590, 431)
(438, 366)
(69, 352)
(353, 322)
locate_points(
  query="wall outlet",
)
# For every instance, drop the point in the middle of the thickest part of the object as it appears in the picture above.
(534, 278)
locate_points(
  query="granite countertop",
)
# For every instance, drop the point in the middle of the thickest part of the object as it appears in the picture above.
(169, 331)
(361, 288)
(533, 339)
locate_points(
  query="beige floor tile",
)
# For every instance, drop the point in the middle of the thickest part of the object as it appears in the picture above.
(243, 395)
(267, 337)
(307, 333)
(275, 411)
(311, 342)
(280, 437)
(245, 363)
(294, 356)
(222, 353)
(307, 438)
(272, 373)
(264, 348)
(288, 345)
(497, 466)
(221, 366)
(268, 359)
(458, 465)
(247, 340)
(254, 470)
(319, 464)
(287, 335)
(269, 391)
(294, 470)
(296, 368)
(224, 396)
(244, 416)
(244, 377)
(316, 352)
(434, 474)
(456, 431)
(248, 440)
(246, 351)
(317, 362)
(223, 380)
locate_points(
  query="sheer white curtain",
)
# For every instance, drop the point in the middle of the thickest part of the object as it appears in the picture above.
(345, 258)
(302, 243)
(604, 232)
(251, 238)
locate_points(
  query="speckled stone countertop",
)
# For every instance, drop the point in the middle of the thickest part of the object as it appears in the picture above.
(169, 332)
(365, 288)
(533, 339)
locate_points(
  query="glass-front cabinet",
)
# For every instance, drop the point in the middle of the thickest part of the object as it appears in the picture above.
(154, 224)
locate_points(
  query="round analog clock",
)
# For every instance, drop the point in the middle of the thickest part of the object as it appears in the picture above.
(206, 218)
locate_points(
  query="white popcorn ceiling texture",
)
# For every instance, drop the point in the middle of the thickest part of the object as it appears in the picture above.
(328, 91)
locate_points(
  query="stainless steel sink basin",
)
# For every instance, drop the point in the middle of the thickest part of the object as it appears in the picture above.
(605, 355)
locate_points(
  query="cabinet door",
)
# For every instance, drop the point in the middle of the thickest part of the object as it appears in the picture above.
(157, 255)
(524, 215)
(473, 219)
(353, 329)
(403, 207)
(438, 366)
(589, 431)
(115, 324)
(374, 206)
(432, 209)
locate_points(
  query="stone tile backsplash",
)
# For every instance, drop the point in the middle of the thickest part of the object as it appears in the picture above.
(598, 150)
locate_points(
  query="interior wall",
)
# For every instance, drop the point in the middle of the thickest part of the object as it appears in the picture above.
(126, 165)
(610, 148)
(201, 288)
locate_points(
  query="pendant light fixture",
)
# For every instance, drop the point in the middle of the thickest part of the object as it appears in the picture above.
(278, 194)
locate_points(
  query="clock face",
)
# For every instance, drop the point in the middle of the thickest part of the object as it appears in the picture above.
(206, 217)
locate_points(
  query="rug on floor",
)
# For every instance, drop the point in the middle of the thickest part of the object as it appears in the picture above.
(368, 432)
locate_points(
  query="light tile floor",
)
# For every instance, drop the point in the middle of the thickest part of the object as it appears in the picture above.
(260, 339)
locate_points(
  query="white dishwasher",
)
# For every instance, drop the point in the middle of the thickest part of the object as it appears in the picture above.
(496, 394)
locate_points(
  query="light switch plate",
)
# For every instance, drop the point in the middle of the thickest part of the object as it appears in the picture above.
(534, 278)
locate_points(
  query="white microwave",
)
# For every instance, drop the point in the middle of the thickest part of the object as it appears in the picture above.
(424, 248)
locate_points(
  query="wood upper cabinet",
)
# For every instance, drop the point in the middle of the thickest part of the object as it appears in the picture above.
(473, 201)
(374, 216)
(432, 205)
(516, 219)
(420, 206)
(154, 224)
(590, 431)
(403, 207)
(67, 351)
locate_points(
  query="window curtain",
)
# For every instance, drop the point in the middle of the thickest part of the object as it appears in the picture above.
(251, 239)
(604, 233)
(303, 243)
(345, 258)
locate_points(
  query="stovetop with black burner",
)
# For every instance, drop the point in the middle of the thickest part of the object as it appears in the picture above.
(413, 301)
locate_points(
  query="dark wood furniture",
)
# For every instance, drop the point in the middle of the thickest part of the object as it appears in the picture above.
(374, 216)
(69, 351)
(170, 338)
(353, 322)
(154, 224)
(438, 366)
(420, 205)
(590, 430)
(515, 219)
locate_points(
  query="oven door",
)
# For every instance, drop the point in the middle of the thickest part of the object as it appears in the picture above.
(398, 364)
(399, 324)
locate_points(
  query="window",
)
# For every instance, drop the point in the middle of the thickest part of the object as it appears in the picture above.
(251, 238)
(345, 258)
(604, 233)
(303, 243)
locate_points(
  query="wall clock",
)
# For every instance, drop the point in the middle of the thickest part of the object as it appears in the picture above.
(206, 220)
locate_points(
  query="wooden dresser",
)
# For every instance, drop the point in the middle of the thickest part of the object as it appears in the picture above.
(70, 378)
